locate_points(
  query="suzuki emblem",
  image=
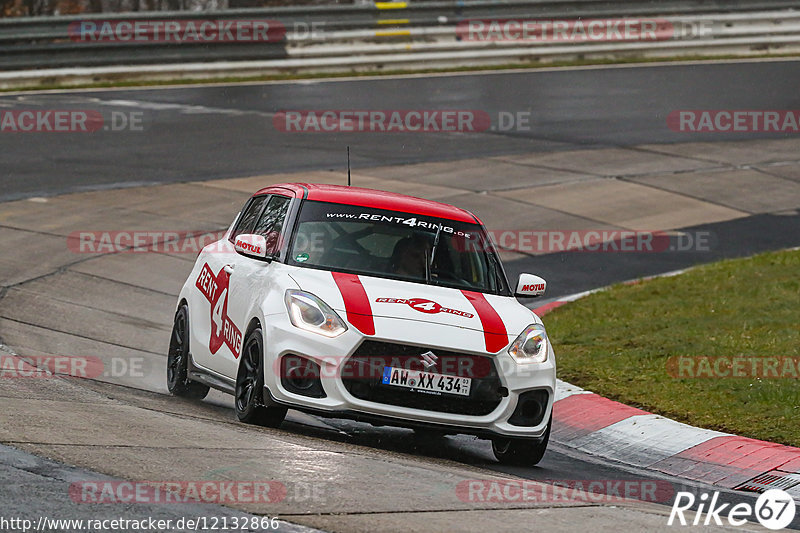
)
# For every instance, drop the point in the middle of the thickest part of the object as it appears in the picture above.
(429, 360)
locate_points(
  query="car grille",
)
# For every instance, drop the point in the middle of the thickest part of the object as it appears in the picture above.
(363, 371)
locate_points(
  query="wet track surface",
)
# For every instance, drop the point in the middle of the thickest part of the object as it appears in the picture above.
(560, 465)
(201, 133)
(227, 131)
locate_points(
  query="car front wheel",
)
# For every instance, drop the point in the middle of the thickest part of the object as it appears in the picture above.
(521, 452)
(249, 393)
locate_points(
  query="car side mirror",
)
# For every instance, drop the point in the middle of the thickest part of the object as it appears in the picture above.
(251, 245)
(530, 286)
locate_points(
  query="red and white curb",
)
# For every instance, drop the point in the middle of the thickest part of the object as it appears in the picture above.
(605, 428)
(598, 426)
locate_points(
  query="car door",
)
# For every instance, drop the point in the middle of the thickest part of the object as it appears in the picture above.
(213, 333)
(249, 282)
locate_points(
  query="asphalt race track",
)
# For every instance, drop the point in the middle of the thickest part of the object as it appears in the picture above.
(204, 134)
(200, 133)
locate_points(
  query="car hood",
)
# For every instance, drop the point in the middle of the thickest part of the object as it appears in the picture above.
(362, 298)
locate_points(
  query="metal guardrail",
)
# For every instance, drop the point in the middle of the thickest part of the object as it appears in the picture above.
(399, 34)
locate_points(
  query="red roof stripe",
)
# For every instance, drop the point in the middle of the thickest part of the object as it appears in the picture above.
(376, 199)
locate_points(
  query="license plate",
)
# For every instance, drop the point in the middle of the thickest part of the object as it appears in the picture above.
(426, 381)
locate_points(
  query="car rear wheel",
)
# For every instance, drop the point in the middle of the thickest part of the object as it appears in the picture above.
(178, 381)
(249, 393)
(521, 452)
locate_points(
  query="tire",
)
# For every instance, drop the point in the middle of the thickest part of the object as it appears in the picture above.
(178, 381)
(521, 452)
(249, 393)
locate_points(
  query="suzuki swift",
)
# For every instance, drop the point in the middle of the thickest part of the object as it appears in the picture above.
(355, 303)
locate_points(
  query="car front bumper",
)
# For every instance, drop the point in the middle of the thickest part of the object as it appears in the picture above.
(513, 379)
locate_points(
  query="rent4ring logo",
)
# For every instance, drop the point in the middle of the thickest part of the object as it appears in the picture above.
(424, 306)
(223, 330)
(774, 509)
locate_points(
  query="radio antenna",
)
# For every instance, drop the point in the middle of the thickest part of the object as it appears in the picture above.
(348, 165)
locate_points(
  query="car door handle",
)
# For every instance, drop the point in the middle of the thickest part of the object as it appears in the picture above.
(228, 269)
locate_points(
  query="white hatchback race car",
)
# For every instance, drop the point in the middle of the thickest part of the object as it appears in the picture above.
(355, 303)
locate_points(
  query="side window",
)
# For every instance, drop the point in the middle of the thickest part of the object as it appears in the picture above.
(249, 216)
(271, 222)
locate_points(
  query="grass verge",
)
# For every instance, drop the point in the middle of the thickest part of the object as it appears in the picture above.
(618, 343)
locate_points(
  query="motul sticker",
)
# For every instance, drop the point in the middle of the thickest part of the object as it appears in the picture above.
(223, 330)
(248, 247)
(424, 306)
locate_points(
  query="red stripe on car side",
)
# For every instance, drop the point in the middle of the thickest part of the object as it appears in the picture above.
(356, 303)
(494, 331)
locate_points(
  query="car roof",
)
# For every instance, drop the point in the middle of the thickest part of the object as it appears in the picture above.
(342, 194)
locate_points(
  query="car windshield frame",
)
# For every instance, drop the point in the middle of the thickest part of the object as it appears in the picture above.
(424, 225)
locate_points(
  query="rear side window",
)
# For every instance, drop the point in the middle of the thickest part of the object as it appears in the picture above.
(248, 220)
(271, 222)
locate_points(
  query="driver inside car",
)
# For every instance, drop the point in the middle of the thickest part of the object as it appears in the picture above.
(409, 256)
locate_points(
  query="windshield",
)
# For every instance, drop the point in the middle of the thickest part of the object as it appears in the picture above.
(396, 245)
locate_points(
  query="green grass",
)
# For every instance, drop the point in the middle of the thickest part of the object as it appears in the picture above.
(617, 343)
(45, 85)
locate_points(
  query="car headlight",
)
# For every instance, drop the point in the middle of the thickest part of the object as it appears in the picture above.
(530, 346)
(308, 312)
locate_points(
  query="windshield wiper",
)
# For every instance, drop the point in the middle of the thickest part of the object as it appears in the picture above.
(429, 264)
(435, 244)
